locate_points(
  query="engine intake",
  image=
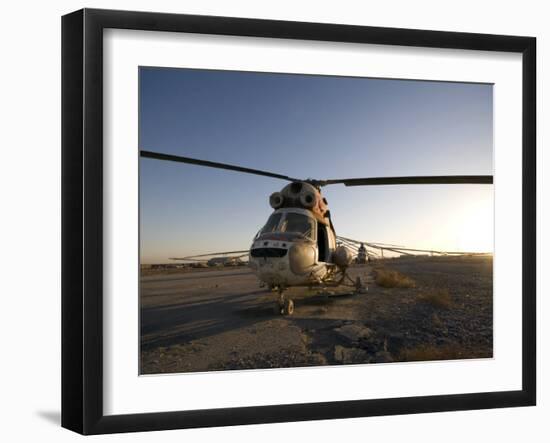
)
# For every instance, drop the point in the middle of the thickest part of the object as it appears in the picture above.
(308, 199)
(276, 200)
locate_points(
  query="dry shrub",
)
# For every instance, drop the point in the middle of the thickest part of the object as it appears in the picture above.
(432, 352)
(389, 278)
(439, 298)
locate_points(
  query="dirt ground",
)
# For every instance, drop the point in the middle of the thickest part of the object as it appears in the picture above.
(221, 319)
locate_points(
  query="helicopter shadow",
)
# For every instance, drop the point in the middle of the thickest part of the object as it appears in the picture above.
(182, 322)
(190, 318)
(196, 277)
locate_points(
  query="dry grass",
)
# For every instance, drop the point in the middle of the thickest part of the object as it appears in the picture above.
(438, 298)
(432, 352)
(389, 278)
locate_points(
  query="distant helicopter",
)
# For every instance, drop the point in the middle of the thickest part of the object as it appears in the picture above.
(298, 244)
(362, 256)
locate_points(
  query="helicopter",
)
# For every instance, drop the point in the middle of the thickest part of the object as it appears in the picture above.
(362, 255)
(298, 245)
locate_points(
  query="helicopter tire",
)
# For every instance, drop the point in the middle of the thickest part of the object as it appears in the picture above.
(288, 308)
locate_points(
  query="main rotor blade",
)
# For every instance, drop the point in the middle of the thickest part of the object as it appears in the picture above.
(194, 161)
(415, 180)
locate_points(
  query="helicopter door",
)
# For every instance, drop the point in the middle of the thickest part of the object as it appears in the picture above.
(322, 242)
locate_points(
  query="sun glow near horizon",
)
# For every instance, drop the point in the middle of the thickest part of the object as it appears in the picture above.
(453, 218)
(476, 229)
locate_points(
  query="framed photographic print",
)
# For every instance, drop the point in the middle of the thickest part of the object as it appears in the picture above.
(268, 221)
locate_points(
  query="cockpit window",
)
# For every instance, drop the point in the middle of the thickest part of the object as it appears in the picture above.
(289, 222)
(272, 223)
(299, 223)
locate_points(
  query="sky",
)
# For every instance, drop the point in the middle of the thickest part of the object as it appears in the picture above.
(319, 127)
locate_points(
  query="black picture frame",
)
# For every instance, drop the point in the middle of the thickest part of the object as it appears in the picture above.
(82, 218)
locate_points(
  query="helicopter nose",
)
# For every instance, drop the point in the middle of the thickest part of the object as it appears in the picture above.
(301, 257)
(268, 263)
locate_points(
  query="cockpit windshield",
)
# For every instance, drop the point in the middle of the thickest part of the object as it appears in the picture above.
(272, 223)
(290, 222)
(299, 223)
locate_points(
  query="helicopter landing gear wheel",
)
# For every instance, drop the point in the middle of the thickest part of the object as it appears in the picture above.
(288, 307)
(284, 305)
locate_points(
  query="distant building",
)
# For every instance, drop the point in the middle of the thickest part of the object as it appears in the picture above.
(165, 266)
(224, 261)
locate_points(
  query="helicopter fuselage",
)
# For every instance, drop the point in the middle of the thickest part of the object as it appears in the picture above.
(297, 245)
(282, 258)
